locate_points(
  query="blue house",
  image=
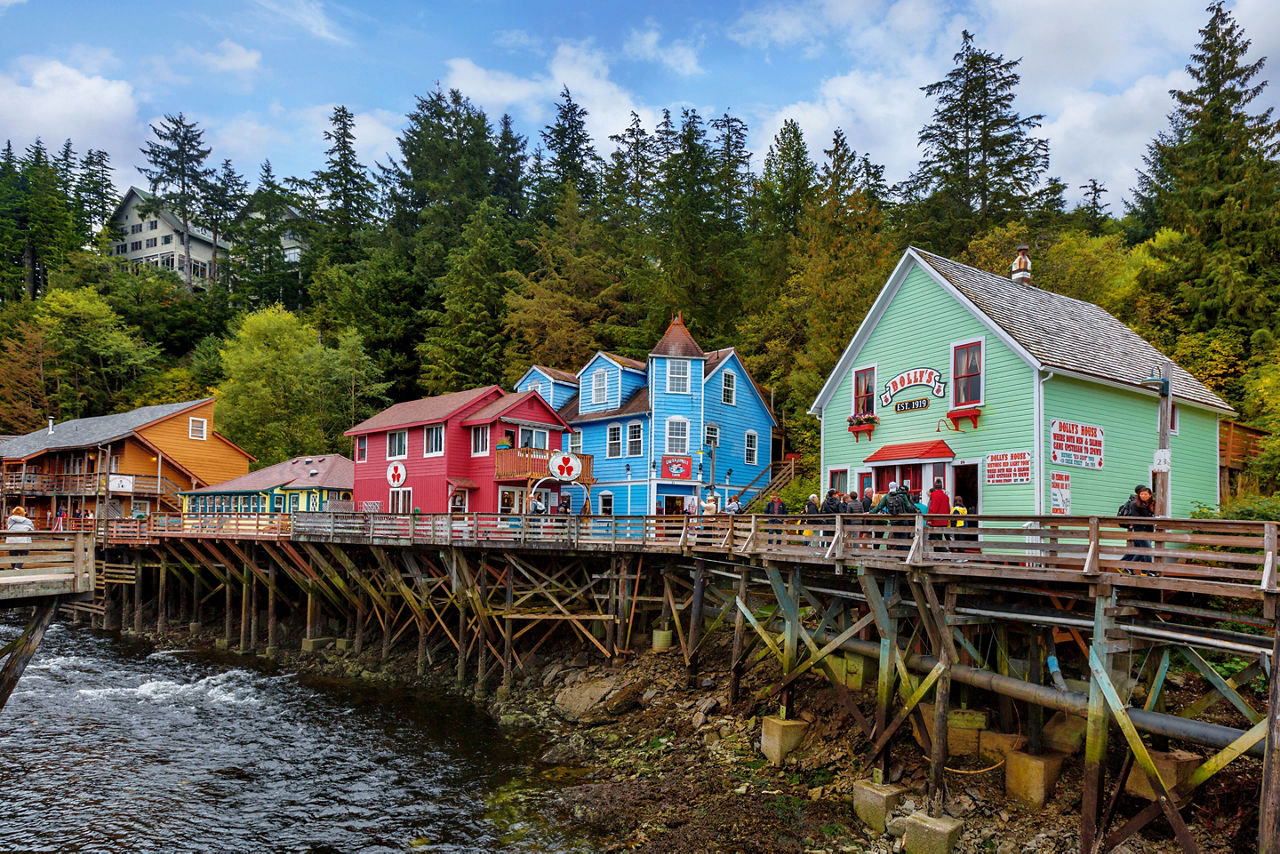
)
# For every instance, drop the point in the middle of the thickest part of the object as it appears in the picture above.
(665, 430)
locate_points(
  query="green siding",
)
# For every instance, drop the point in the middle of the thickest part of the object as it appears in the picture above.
(1130, 422)
(917, 330)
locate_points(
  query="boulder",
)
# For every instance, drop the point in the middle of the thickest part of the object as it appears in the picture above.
(626, 698)
(577, 701)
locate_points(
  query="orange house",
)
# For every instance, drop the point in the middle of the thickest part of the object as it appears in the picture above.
(127, 464)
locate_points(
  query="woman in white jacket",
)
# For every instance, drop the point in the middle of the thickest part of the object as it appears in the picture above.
(19, 523)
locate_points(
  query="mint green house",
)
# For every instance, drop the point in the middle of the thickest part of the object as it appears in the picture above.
(1023, 401)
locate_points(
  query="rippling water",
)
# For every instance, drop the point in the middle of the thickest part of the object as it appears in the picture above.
(106, 745)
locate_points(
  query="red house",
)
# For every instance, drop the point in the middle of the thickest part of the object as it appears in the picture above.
(482, 450)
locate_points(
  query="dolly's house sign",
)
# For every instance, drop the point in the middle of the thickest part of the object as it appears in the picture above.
(916, 376)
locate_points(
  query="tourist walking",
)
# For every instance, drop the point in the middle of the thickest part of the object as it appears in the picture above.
(1141, 503)
(19, 524)
(938, 508)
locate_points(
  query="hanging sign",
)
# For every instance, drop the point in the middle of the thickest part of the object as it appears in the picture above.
(1073, 444)
(397, 474)
(565, 466)
(120, 482)
(680, 468)
(1008, 467)
(1060, 493)
(916, 376)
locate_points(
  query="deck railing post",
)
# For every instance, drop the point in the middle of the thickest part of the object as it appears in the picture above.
(1269, 806)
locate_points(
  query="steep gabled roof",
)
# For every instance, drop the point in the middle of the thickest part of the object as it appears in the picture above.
(677, 342)
(636, 404)
(559, 375)
(423, 411)
(332, 471)
(1048, 331)
(168, 216)
(503, 405)
(89, 432)
(1067, 333)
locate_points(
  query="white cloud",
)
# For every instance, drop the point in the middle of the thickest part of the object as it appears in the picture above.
(678, 56)
(230, 58)
(47, 98)
(5, 4)
(808, 24)
(310, 15)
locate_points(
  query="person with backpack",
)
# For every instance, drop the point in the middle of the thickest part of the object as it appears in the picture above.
(1141, 503)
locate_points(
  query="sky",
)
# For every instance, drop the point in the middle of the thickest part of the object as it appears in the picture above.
(262, 76)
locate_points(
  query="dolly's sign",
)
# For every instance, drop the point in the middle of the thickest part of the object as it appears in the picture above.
(916, 376)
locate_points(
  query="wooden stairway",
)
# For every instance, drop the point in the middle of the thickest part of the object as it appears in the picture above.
(781, 474)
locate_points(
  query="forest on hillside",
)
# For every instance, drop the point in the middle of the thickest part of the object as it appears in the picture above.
(475, 252)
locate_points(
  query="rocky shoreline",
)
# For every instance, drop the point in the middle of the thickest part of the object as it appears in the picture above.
(664, 767)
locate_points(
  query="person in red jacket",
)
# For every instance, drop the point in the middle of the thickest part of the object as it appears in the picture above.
(939, 507)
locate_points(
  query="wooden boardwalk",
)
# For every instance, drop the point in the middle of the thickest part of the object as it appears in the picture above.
(997, 608)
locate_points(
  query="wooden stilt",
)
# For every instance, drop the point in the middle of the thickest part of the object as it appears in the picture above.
(253, 611)
(1095, 747)
(1035, 711)
(388, 634)
(195, 596)
(459, 598)
(25, 647)
(739, 635)
(508, 648)
(695, 621)
(137, 594)
(245, 607)
(310, 631)
(1004, 704)
(422, 647)
(162, 601)
(226, 620)
(358, 643)
(1269, 806)
(271, 611)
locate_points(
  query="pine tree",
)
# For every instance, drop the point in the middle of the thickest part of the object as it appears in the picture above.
(347, 200)
(262, 275)
(44, 218)
(1093, 211)
(1213, 177)
(95, 193)
(464, 347)
(508, 169)
(225, 195)
(176, 175)
(981, 165)
(12, 239)
(781, 193)
(573, 158)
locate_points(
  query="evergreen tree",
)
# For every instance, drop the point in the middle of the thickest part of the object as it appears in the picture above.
(347, 200)
(1213, 177)
(95, 194)
(225, 195)
(262, 274)
(508, 170)
(629, 179)
(176, 175)
(464, 347)
(1093, 211)
(12, 238)
(981, 164)
(44, 218)
(573, 158)
(781, 194)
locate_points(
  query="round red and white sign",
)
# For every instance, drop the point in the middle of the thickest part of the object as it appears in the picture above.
(565, 466)
(397, 474)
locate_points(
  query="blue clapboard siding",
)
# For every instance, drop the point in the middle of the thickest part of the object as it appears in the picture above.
(555, 392)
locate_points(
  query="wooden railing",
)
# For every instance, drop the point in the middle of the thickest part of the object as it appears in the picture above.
(1238, 444)
(15, 483)
(45, 563)
(526, 463)
(1213, 556)
(781, 473)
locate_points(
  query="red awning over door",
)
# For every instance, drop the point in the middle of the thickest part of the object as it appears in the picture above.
(934, 450)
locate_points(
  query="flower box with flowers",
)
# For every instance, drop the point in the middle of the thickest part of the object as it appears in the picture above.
(859, 424)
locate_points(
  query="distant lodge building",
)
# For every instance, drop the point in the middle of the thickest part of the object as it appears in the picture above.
(156, 238)
(316, 483)
(131, 463)
(1020, 400)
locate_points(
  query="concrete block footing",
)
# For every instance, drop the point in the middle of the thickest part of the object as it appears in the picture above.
(779, 736)
(875, 803)
(1030, 779)
(316, 644)
(1064, 733)
(193, 627)
(1175, 766)
(344, 644)
(928, 835)
(220, 643)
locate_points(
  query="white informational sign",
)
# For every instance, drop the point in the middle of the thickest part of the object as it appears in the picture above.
(397, 474)
(120, 482)
(1060, 493)
(1072, 444)
(1162, 460)
(1006, 467)
(566, 466)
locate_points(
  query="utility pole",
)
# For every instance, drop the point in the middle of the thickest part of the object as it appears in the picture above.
(1163, 461)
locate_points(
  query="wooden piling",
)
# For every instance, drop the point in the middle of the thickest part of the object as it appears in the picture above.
(1095, 746)
(739, 635)
(695, 620)
(162, 616)
(1269, 805)
(271, 610)
(508, 651)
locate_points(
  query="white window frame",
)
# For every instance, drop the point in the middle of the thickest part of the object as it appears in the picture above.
(610, 443)
(982, 372)
(536, 388)
(534, 433)
(609, 497)
(677, 419)
(709, 432)
(429, 431)
(575, 441)
(751, 448)
(362, 448)
(1175, 417)
(480, 441)
(729, 388)
(599, 387)
(875, 376)
(638, 451)
(403, 450)
(672, 376)
(198, 429)
(402, 492)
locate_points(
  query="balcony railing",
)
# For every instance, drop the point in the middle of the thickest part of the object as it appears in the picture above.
(533, 463)
(16, 483)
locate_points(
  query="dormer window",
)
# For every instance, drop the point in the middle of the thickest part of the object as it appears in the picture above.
(677, 376)
(598, 387)
(729, 389)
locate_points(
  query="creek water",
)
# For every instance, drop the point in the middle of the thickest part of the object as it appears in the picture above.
(110, 745)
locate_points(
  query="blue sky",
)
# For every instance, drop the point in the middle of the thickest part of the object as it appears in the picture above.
(261, 76)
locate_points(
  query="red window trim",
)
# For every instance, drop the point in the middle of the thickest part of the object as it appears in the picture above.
(956, 376)
(869, 396)
(362, 448)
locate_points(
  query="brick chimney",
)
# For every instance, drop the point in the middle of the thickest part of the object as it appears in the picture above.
(1022, 266)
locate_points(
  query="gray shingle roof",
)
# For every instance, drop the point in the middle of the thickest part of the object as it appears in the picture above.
(1062, 332)
(86, 432)
(332, 471)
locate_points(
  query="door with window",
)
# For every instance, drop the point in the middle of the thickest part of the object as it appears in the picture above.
(400, 500)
